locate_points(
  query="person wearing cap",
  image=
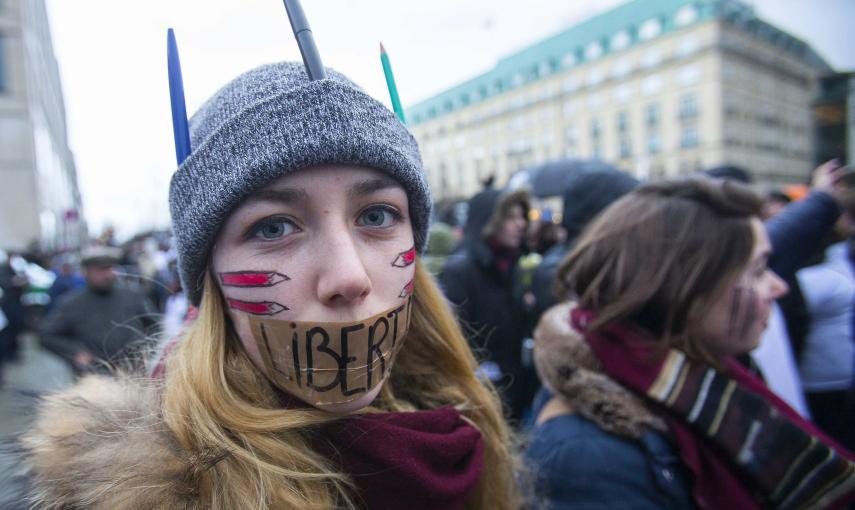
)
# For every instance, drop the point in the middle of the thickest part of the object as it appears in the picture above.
(102, 325)
(324, 368)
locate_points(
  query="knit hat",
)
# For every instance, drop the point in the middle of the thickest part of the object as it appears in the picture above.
(272, 121)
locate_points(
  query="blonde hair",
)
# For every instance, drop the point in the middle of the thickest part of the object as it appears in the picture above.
(217, 403)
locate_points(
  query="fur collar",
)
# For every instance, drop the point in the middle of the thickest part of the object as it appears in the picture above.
(103, 444)
(569, 369)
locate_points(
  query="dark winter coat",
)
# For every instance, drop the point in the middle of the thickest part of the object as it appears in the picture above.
(107, 325)
(611, 451)
(485, 299)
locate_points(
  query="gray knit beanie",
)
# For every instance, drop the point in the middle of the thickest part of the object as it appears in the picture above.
(272, 121)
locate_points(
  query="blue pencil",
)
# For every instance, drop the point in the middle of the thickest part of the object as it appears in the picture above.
(180, 129)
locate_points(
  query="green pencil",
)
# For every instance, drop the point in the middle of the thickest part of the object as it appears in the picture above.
(390, 83)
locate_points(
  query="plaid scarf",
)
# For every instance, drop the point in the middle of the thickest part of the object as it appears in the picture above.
(745, 447)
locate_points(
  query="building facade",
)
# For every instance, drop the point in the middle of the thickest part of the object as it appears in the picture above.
(834, 114)
(39, 197)
(658, 87)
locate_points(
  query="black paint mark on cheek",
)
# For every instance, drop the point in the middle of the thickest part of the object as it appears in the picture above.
(733, 326)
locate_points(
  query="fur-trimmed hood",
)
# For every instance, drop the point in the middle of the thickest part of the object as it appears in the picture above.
(103, 444)
(569, 369)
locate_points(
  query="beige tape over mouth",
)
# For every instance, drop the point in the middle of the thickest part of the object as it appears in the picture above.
(331, 362)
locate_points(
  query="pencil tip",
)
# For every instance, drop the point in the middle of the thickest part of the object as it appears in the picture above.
(382, 49)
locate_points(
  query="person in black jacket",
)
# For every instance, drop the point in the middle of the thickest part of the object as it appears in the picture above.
(480, 280)
(102, 324)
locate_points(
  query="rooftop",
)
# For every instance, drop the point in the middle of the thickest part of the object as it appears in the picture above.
(623, 27)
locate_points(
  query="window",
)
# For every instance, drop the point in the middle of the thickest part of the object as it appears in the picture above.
(649, 29)
(625, 147)
(623, 121)
(651, 115)
(688, 45)
(568, 60)
(596, 129)
(596, 143)
(570, 135)
(595, 77)
(688, 137)
(686, 15)
(623, 93)
(3, 86)
(652, 84)
(569, 108)
(570, 85)
(595, 101)
(689, 74)
(622, 68)
(653, 144)
(624, 143)
(620, 40)
(13, 138)
(593, 51)
(652, 58)
(688, 108)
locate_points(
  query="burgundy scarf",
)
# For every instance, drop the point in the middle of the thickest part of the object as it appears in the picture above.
(504, 258)
(745, 447)
(410, 461)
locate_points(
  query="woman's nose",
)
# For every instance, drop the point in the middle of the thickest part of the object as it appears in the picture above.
(778, 286)
(343, 279)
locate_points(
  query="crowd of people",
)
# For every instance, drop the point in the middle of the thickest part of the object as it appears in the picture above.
(309, 338)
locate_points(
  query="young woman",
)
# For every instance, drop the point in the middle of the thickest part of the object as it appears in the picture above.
(324, 368)
(647, 403)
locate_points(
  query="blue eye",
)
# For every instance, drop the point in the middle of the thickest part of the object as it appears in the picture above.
(379, 217)
(271, 229)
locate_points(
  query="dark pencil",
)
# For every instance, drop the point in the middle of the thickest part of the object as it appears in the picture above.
(305, 40)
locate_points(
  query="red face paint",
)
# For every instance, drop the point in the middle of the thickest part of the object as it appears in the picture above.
(405, 258)
(252, 278)
(256, 307)
(408, 289)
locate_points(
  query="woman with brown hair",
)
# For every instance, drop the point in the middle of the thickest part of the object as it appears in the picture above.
(324, 369)
(648, 407)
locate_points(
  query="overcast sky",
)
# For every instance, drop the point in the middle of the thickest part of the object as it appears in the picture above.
(112, 60)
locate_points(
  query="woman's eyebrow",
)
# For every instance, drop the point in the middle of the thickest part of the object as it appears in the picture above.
(369, 186)
(281, 195)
